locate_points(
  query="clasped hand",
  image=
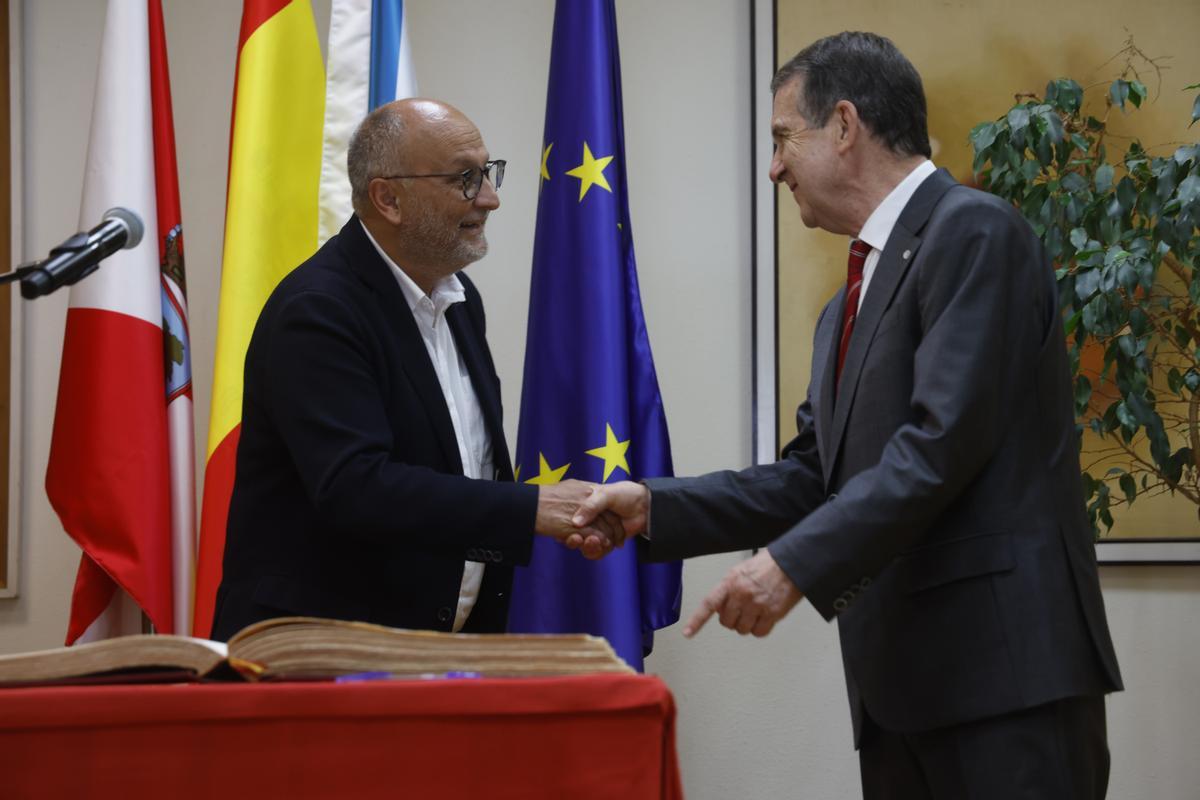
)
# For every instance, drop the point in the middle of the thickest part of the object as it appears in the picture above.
(752, 597)
(557, 510)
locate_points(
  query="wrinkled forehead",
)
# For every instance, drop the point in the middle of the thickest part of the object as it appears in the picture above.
(785, 110)
(445, 144)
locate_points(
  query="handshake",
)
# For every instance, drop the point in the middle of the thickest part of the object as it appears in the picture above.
(595, 518)
(591, 517)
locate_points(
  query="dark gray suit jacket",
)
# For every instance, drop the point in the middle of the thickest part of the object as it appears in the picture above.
(932, 502)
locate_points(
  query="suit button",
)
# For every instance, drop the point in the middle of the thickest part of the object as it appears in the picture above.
(864, 583)
(497, 556)
(472, 554)
(445, 614)
(840, 604)
(831, 498)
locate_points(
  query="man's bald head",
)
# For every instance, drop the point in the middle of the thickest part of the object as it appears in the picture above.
(395, 138)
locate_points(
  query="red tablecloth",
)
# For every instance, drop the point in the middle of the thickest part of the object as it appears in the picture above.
(605, 736)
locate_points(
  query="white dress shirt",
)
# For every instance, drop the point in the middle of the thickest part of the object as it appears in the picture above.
(474, 444)
(878, 227)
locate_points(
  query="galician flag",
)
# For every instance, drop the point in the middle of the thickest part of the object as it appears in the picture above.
(369, 64)
(120, 471)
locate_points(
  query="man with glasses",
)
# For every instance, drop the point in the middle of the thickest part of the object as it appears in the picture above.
(373, 481)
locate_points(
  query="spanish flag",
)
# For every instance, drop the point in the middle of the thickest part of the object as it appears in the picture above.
(270, 227)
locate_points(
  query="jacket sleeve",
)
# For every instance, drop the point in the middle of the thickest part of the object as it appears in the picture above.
(736, 510)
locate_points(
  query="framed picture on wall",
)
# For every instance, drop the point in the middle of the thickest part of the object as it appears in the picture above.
(969, 77)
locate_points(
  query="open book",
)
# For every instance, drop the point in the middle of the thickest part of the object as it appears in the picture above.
(302, 648)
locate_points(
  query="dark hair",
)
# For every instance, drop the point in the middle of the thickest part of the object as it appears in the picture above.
(867, 70)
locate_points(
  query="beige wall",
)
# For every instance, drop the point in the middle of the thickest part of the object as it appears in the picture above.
(757, 718)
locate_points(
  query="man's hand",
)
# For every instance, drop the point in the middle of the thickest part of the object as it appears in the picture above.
(558, 503)
(750, 599)
(626, 503)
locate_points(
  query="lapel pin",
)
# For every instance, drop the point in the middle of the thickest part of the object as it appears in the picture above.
(906, 254)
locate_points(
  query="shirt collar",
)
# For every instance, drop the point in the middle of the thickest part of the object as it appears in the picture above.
(446, 293)
(878, 227)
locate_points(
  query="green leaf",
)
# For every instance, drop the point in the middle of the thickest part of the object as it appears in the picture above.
(1195, 111)
(1071, 323)
(1065, 94)
(1054, 126)
(1127, 193)
(1083, 393)
(1095, 312)
(983, 135)
(1126, 418)
(1044, 150)
(1054, 241)
(1087, 283)
(1189, 190)
(1074, 182)
(1118, 93)
(1137, 93)
(1079, 238)
(1129, 487)
(1175, 381)
(1127, 276)
(1139, 322)
(1018, 122)
(1104, 177)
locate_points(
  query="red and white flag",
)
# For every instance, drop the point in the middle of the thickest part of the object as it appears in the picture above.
(121, 460)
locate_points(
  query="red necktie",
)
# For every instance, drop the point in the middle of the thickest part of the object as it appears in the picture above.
(854, 280)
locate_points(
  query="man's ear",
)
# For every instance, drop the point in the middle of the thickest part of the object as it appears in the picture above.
(384, 200)
(848, 125)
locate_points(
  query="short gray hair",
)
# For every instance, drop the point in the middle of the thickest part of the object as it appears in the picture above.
(374, 151)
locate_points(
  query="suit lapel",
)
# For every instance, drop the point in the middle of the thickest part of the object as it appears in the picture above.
(472, 347)
(364, 260)
(897, 256)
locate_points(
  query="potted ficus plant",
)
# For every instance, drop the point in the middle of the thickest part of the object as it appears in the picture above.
(1121, 225)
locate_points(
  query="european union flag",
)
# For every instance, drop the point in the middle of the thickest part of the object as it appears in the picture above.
(590, 406)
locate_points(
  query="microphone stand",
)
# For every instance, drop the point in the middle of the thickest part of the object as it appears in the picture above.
(20, 273)
(75, 243)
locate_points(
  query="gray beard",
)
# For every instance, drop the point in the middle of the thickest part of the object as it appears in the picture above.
(434, 242)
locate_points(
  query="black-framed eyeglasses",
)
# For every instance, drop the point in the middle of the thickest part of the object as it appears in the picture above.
(472, 179)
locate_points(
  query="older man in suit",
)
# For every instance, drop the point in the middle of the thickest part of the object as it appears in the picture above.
(373, 482)
(931, 500)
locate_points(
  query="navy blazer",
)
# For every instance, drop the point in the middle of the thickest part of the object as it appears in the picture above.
(349, 499)
(931, 501)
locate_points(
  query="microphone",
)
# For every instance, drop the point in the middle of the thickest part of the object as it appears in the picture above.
(80, 256)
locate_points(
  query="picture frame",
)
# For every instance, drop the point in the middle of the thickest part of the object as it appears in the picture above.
(769, 319)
